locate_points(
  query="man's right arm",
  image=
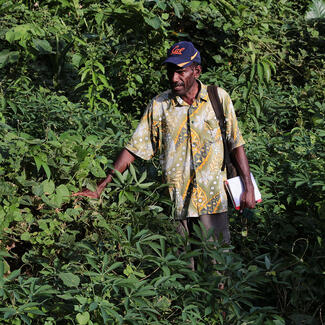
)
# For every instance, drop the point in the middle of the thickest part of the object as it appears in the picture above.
(124, 159)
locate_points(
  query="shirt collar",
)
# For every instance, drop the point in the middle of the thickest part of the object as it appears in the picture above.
(203, 95)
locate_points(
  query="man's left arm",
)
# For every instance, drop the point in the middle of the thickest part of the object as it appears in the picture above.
(247, 199)
(237, 144)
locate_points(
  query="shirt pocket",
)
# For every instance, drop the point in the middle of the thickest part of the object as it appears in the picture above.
(212, 129)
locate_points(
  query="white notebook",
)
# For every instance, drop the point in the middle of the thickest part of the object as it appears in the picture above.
(235, 188)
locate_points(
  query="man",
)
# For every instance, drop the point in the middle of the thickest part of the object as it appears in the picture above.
(180, 124)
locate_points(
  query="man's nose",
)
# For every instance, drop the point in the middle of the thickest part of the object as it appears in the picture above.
(174, 77)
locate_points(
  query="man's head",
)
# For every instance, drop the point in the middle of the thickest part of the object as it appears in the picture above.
(183, 68)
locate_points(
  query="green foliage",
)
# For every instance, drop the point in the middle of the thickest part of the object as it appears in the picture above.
(74, 79)
(316, 10)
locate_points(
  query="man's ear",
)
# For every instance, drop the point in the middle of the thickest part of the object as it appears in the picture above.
(197, 71)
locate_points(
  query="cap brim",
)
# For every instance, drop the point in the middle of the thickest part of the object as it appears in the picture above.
(177, 61)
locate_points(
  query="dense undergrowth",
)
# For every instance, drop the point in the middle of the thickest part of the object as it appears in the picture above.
(75, 77)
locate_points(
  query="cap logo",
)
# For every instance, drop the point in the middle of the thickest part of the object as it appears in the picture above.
(177, 50)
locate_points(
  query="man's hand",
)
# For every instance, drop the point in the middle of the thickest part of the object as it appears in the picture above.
(95, 194)
(122, 162)
(88, 193)
(247, 200)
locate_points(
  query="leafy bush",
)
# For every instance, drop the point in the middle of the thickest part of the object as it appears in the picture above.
(74, 79)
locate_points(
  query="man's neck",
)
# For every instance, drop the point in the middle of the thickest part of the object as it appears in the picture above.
(190, 96)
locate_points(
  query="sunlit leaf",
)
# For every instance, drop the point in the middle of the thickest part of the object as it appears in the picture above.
(316, 10)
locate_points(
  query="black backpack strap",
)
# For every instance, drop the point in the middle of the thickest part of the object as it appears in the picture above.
(217, 107)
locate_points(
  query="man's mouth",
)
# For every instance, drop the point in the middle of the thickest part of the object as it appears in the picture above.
(177, 86)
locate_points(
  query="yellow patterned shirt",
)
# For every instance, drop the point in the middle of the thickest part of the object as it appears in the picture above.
(189, 143)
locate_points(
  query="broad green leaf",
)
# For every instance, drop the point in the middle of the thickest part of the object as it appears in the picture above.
(63, 192)
(146, 185)
(97, 170)
(94, 77)
(48, 187)
(99, 18)
(69, 279)
(43, 46)
(7, 56)
(122, 177)
(138, 78)
(92, 139)
(121, 198)
(194, 5)
(103, 79)
(178, 8)
(143, 177)
(55, 200)
(114, 266)
(84, 74)
(145, 292)
(93, 306)
(161, 4)
(76, 59)
(38, 162)
(4, 253)
(153, 22)
(257, 106)
(105, 101)
(267, 71)
(83, 318)
(38, 190)
(25, 236)
(133, 173)
(13, 275)
(21, 32)
(100, 66)
(129, 196)
(163, 303)
(9, 313)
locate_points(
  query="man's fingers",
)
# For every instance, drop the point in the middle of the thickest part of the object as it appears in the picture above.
(86, 193)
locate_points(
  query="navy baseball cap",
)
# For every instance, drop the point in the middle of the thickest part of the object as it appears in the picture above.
(183, 54)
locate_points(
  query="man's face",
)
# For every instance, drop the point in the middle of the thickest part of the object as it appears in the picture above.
(182, 79)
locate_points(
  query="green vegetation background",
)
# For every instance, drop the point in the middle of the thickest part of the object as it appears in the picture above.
(75, 77)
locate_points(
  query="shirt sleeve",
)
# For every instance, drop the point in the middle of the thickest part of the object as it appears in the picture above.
(145, 140)
(233, 134)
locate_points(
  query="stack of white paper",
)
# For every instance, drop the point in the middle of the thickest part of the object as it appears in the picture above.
(235, 188)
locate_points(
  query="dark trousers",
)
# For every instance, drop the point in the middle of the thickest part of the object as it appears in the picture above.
(218, 222)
